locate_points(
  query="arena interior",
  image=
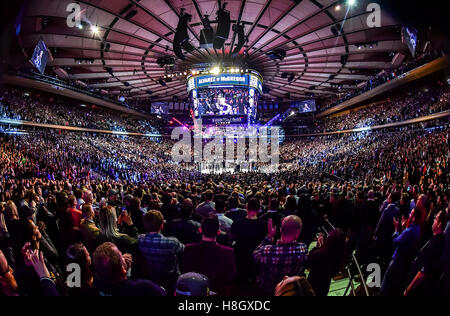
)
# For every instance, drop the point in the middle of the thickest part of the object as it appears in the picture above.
(245, 148)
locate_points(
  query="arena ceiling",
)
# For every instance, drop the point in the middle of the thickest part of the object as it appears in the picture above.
(138, 32)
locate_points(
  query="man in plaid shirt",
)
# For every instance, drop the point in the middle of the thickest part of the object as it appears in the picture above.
(160, 252)
(285, 258)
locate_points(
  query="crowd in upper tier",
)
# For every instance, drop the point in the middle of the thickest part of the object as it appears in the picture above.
(385, 76)
(49, 109)
(413, 104)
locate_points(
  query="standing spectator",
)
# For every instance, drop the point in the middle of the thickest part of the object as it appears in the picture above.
(89, 231)
(111, 277)
(427, 265)
(247, 234)
(185, 229)
(385, 228)
(235, 213)
(76, 214)
(224, 222)
(325, 260)
(208, 206)
(211, 259)
(8, 283)
(109, 232)
(406, 245)
(286, 257)
(161, 253)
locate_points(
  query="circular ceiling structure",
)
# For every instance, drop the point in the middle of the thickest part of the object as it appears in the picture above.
(118, 45)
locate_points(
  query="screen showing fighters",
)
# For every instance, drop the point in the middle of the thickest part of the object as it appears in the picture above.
(225, 94)
(222, 101)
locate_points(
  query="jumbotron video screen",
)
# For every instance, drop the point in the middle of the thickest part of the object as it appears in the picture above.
(225, 94)
(222, 101)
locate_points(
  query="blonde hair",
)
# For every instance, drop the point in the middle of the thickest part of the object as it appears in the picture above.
(108, 223)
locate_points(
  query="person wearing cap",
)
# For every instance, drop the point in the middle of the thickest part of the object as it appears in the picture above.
(193, 284)
(286, 257)
(211, 259)
(161, 253)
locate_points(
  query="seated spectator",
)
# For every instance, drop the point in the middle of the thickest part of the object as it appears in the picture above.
(211, 259)
(286, 257)
(161, 253)
(111, 278)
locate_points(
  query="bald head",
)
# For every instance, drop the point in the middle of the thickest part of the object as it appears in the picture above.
(291, 226)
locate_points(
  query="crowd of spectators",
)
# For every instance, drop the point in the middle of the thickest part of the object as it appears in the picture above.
(137, 223)
(403, 107)
(385, 76)
(15, 104)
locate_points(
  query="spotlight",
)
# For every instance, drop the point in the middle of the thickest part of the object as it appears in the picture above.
(94, 29)
(215, 71)
(337, 8)
(351, 2)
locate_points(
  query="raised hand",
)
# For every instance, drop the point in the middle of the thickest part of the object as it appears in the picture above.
(38, 263)
(271, 230)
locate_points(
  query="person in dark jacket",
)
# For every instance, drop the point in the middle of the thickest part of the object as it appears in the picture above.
(325, 260)
(211, 259)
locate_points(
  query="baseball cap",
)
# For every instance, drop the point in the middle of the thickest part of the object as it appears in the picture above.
(193, 284)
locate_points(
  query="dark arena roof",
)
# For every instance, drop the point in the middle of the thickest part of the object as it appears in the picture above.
(323, 44)
(244, 148)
